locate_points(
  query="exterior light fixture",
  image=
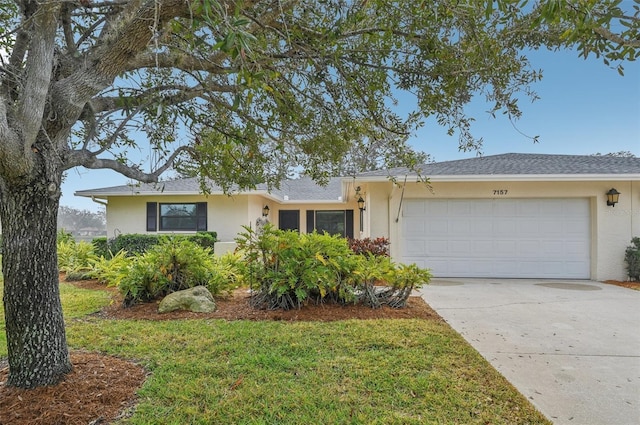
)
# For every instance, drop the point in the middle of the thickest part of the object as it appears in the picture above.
(612, 197)
(361, 207)
(265, 210)
(360, 200)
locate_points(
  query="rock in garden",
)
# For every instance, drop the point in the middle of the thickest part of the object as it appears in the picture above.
(197, 299)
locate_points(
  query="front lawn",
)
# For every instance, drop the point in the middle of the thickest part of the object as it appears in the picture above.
(408, 371)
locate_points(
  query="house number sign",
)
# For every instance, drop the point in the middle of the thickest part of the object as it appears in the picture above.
(500, 192)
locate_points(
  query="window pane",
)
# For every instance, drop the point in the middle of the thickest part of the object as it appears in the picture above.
(331, 222)
(178, 217)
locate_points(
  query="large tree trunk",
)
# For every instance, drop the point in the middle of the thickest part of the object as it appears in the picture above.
(36, 340)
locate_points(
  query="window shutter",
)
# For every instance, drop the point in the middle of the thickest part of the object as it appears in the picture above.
(201, 216)
(348, 218)
(311, 224)
(152, 216)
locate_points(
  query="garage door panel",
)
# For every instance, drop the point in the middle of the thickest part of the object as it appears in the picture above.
(553, 248)
(505, 227)
(525, 238)
(528, 248)
(504, 248)
(415, 247)
(575, 227)
(529, 227)
(460, 208)
(462, 226)
(415, 209)
(576, 249)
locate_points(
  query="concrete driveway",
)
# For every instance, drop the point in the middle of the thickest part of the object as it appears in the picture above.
(571, 347)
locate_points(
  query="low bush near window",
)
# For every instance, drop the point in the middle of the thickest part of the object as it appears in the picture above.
(172, 265)
(135, 244)
(286, 269)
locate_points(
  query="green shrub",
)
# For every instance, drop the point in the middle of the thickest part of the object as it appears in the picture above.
(228, 273)
(101, 246)
(171, 265)
(632, 257)
(74, 258)
(135, 243)
(287, 269)
(204, 239)
(110, 270)
(403, 280)
(64, 236)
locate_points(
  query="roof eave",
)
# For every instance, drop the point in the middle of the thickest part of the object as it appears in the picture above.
(509, 177)
(266, 194)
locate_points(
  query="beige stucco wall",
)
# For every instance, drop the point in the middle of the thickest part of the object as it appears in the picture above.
(612, 227)
(226, 215)
(275, 208)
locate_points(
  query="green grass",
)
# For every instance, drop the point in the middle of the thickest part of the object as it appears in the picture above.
(345, 372)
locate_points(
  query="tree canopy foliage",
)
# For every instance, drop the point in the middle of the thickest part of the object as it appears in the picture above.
(242, 91)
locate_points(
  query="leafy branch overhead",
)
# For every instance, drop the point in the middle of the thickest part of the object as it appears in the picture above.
(244, 91)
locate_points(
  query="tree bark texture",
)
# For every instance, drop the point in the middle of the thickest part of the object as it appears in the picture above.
(36, 339)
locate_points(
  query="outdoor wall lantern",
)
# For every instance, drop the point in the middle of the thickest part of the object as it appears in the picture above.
(612, 197)
(265, 210)
(361, 207)
(360, 200)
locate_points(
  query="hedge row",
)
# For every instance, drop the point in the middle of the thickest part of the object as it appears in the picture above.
(136, 244)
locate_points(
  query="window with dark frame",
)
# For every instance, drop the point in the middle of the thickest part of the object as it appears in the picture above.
(191, 216)
(334, 222)
(289, 220)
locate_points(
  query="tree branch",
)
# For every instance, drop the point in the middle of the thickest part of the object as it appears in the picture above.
(39, 64)
(88, 160)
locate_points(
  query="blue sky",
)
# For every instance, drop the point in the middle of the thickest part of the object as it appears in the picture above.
(584, 108)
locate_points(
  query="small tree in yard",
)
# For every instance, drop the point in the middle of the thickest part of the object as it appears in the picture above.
(239, 92)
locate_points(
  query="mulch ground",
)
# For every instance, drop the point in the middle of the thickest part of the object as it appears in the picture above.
(101, 389)
(630, 285)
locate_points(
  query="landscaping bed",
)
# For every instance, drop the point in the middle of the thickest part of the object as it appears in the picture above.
(103, 388)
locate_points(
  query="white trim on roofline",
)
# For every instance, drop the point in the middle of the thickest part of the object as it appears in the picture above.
(507, 177)
(270, 196)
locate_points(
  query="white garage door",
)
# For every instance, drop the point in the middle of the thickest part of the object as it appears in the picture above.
(510, 238)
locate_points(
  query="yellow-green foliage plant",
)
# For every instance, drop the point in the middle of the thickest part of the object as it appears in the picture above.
(287, 269)
(75, 258)
(171, 265)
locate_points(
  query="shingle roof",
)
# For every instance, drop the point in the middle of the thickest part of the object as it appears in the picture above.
(303, 189)
(510, 164)
(524, 164)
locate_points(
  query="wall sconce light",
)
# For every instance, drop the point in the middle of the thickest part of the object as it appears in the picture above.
(361, 207)
(360, 200)
(612, 197)
(265, 210)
